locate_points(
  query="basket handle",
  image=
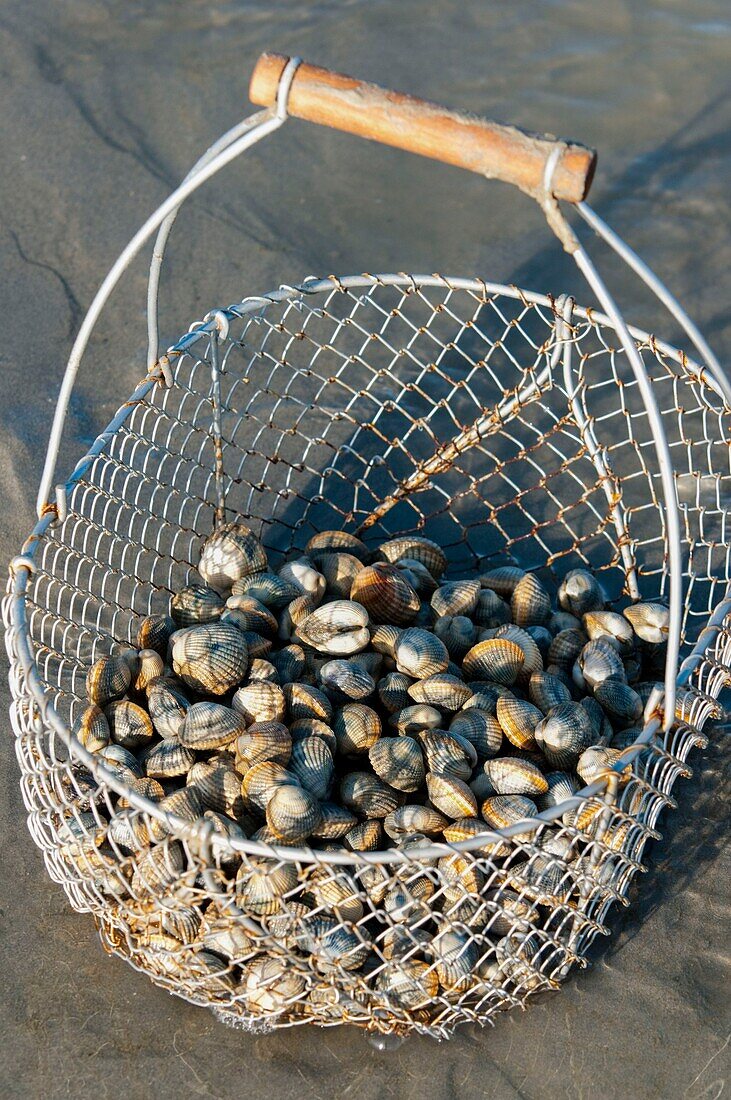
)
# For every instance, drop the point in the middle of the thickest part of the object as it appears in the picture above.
(536, 164)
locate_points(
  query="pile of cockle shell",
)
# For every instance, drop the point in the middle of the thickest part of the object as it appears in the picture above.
(355, 700)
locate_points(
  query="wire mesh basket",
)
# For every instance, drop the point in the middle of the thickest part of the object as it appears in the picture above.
(507, 426)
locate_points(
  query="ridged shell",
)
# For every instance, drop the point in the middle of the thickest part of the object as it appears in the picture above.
(561, 785)
(331, 542)
(249, 614)
(496, 659)
(510, 775)
(335, 947)
(416, 718)
(167, 759)
(612, 627)
(293, 813)
(546, 691)
(420, 549)
(580, 592)
(456, 598)
(530, 603)
(563, 620)
(304, 575)
(196, 603)
(393, 691)
(148, 788)
(419, 653)
(386, 594)
(261, 781)
(151, 668)
(486, 695)
(159, 868)
(92, 729)
(448, 755)
(129, 725)
(408, 820)
(304, 701)
(404, 901)
(263, 741)
(167, 707)
(409, 983)
(262, 883)
(211, 658)
(261, 671)
(313, 727)
(518, 719)
(461, 874)
(338, 628)
(566, 647)
(289, 663)
(220, 790)
(502, 580)
(451, 796)
(210, 726)
(122, 762)
(503, 810)
(269, 589)
(108, 679)
(400, 941)
(532, 659)
(185, 803)
(365, 837)
(384, 637)
(564, 734)
(597, 662)
(418, 576)
(356, 728)
(335, 890)
(595, 761)
(507, 912)
(336, 821)
(479, 728)
(650, 621)
(339, 570)
(620, 701)
(312, 765)
(257, 647)
(458, 633)
(154, 633)
(345, 679)
(366, 794)
(490, 611)
(441, 690)
(456, 956)
(230, 553)
(398, 762)
(128, 829)
(260, 701)
(464, 828)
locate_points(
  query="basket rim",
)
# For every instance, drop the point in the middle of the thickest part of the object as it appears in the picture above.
(201, 832)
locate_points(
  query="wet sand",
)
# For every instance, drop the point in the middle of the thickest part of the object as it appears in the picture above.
(105, 106)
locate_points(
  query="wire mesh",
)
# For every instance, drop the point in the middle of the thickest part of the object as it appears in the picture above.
(337, 405)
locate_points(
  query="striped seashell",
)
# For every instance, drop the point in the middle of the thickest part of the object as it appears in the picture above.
(597, 662)
(196, 603)
(456, 598)
(496, 659)
(336, 821)
(442, 690)
(402, 941)
(530, 603)
(233, 551)
(508, 912)
(182, 923)
(167, 707)
(367, 836)
(313, 727)
(108, 679)
(532, 659)
(346, 680)
(220, 790)
(560, 786)
(404, 901)
(167, 759)
(247, 613)
(270, 987)
(263, 741)
(481, 786)
(356, 727)
(502, 580)
(260, 701)
(546, 691)
(185, 803)
(419, 653)
(511, 775)
(419, 549)
(338, 628)
(625, 739)
(464, 828)
(210, 726)
(335, 947)
(386, 594)
(542, 636)
(543, 878)
(292, 813)
(458, 633)
(597, 761)
(262, 883)
(610, 626)
(154, 633)
(563, 620)
(455, 955)
(127, 829)
(486, 695)
(418, 576)
(620, 702)
(303, 575)
(295, 614)
(411, 819)
(211, 658)
(147, 788)
(409, 983)
(398, 762)
(289, 663)
(368, 795)
(151, 668)
(564, 734)
(369, 662)
(223, 936)
(518, 720)
(335, 542)
(503, 810)
(312, 766)
(451, 796)
(129, 725)
(633, 667)
(270, 590)
(650, 621)
(334, 889)
(481, 730)
(461, 875)
(447, 755)
(91, 729)
(580, 592)
(262, 671)
(490, 610)
(339, 570)
(393, 691)
(223, 825)
(158, 869)
(304, 701)
(384, 637)
(123, 763)
(566, 647)
(261, 781)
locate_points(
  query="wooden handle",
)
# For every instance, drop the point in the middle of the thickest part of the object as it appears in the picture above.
(489, 148)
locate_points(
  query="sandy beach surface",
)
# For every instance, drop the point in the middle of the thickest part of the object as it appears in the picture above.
(105, 106)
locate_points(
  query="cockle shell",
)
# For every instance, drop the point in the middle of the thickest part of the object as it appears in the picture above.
(458, 633)
(419, 549)
(262, 883)
(532, 659)
(332, 542)
(560, 786)
(564, 734)
(220, 790)
(293, 813)
(260, 701)
(456, 598)
(386, 594)
(304, 701)
(333, 945)
(419, 653)
(366, 794)
(404, 901)
(335, 821)
(210, 726)
(269, 589)
(461, 874)
(546, 691)
(356, 727)
(167, 707)
(313, 727)
(129, 725)
(384, 637)
(496, 659)
(502, 580)
(566, 647)
(108, 679)
(230, 553)
(650, 621)
(148, 788)
(289, 663)
(338, 628)
(508, 912)
(211, 658)
(416, 718)
(490, 610)
(441, 690)
(451, 796)
(345, 679)
(518, 720)
(530, 603)
(448, 755)
(367, 836)
(167, 759)
(339, 570)
(159, 868)
(580, 592)
(409, 983)
(503, 810)
(247, 613)
(398, 762)
(393, 691)
(418, 576)
(455, 955)
(479, 728)
(511, 775)
(620, 702)
(334, 889)
(303, 574)
(408, 820)
(196, 603)
(597, 760)
(597, 662)
(151, 668)
(263, 741)
(312, 764)
(223, 936)
(92, 729)
(610, 626)
(154, 633)
(401, 941)
(122, 762)
(261, 781)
